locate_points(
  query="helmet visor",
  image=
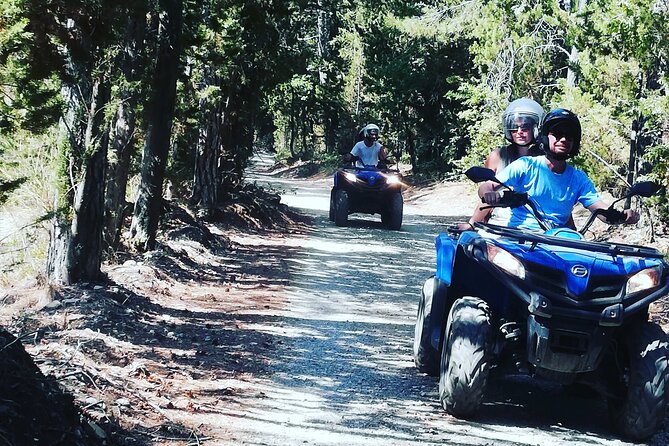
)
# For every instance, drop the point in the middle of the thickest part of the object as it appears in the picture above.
(517, 122)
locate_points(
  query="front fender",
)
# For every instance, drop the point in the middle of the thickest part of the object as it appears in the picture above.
(446, 248)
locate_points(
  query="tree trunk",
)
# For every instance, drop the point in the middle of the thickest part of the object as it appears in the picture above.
(411, 148)
(293, 131)
(122, 138)
(86, 244)
(323, 32)
(229, 172)
(156, 148)
(207, 156)
(573, 55)
(71, 137)
(58, 251)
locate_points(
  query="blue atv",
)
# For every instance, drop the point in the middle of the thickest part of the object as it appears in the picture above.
(369, 190)
(551, 305)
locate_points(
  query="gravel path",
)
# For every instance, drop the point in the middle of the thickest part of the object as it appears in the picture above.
(340, 370)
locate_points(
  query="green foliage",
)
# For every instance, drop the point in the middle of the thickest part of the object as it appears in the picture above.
(7, 183)
(29, 160)
(301, 78)
(482, 119)
(292, 104)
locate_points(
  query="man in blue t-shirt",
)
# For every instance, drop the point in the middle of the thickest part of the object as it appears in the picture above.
(553, 184)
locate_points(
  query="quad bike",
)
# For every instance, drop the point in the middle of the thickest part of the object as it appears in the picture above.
(551, 305)
(369, 190)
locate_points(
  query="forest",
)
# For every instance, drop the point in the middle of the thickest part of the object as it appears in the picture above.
(109, 106)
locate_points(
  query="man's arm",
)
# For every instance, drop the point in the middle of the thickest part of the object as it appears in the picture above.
(631, 216)
(382, 154)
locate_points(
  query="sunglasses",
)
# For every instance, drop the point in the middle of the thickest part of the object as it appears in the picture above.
(559, 134)
(522, 128)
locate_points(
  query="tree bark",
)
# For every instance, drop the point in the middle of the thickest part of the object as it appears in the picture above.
(58, 250)
(207, 156)
(148, 207)
(323, 24)
(122, 137)
(72, 139)
(573, 55)
(85, 253)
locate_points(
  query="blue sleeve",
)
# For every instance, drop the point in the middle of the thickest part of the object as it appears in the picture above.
(588, 194)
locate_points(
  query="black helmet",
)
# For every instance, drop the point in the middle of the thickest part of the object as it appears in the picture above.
(561, 116)
(525, 112)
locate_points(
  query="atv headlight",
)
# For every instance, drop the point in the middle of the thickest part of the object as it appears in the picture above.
(350, 177)
(393, 179)
(505, 261)
(644, 280)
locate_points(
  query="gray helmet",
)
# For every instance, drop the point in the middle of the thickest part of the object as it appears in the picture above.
(522, 112)
(369, 129)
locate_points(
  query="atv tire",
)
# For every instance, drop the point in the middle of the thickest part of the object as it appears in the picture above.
(466, 357)
(425, 356)
(341, 208)
(392, 216)
(640, 411)
(331, 215)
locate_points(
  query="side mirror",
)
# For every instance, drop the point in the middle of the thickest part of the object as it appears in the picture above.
(481, 174)
(644, 189)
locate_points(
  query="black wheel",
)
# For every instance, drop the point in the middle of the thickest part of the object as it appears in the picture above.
(341, 208)
(425, 356)
(466, 357)
(640, 411)
(392, 216)
(331, 216)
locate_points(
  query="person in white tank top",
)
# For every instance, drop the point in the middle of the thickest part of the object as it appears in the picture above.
(369, 151)
(520, 122)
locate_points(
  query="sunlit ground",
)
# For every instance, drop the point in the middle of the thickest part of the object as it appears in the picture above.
(341, 368)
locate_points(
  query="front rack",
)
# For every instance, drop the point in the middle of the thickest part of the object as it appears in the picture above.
(620, 249)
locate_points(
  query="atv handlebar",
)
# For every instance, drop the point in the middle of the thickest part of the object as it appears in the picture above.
(513, 199)
(382, 164)
(612, 216)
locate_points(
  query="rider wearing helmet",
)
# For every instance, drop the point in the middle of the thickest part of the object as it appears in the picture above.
(560, 122)
(520, 122)
(549, 179)
(369, 151)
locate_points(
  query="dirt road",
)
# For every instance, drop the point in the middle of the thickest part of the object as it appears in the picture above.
(339, 368)
(278, 338)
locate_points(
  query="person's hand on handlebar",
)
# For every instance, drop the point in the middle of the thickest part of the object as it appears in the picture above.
(350, 158)
(492, 197)
(614, 216)
(631, 216)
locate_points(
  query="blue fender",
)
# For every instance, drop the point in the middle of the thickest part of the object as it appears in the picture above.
(446, 249)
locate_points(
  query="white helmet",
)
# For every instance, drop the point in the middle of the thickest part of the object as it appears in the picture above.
(369, 129)
(522, 112)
